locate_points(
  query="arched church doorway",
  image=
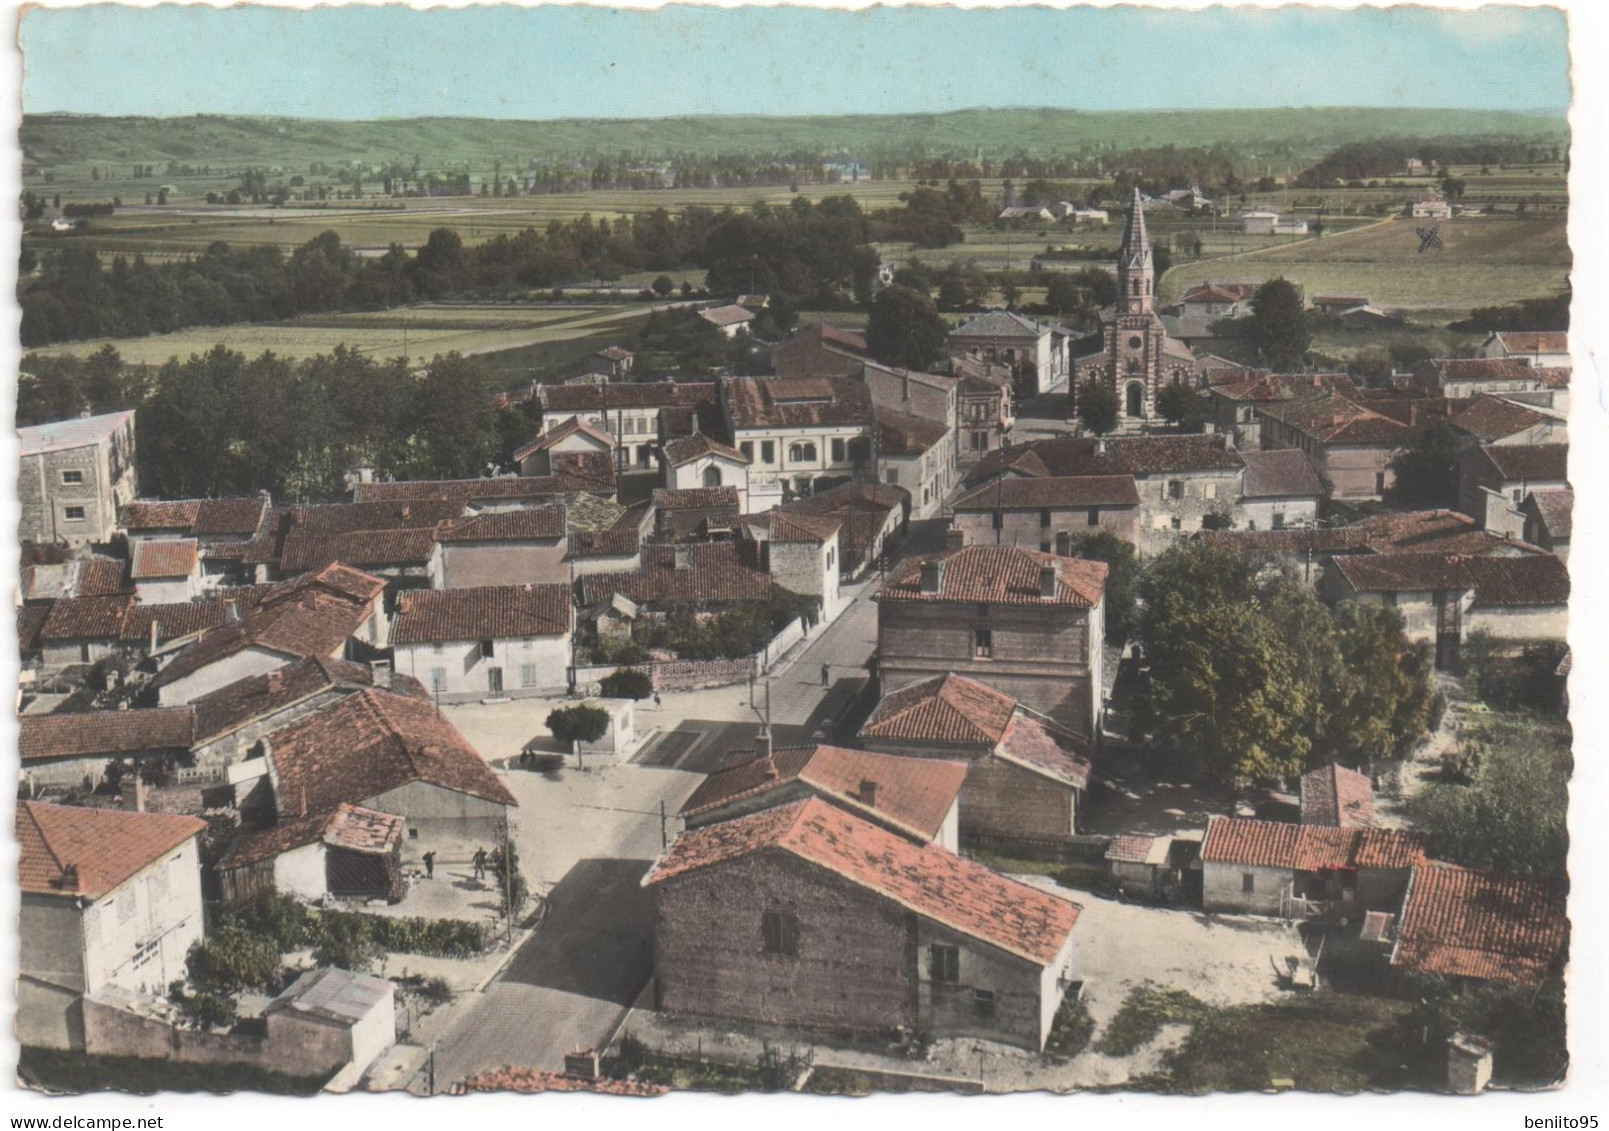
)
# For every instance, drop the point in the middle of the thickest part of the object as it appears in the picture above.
(1136, 399)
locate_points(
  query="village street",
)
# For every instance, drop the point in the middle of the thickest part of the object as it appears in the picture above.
(586, 837)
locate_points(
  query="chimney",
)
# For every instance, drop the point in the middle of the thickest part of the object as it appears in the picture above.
(954, 538)
(764, 744)
(156, 634)
(1047, 580)
(380, 673)
(407, 513)
(139, 790)
(932, 577)
(69, 877)
(868, 793)
(276, 681)
(684, 557)
(582, 1063)
(1209, 428)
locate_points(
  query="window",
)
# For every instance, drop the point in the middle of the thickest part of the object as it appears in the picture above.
(1210, 491)
(983, 1002)
(1178, 523)
(893, 477)
(747, 448)
(1044, 518)
(1176, 489)
(413, 833)
(1388, 599)
(944, 962)
(1379, 482)
(438, 647)
(838, 451)
(438, 680)
(72, 478)
(802, 451)
(781, 933)
(494, 681)
(73, 514)
(999, 519)
(980, 441)
(1279, 520)
(982, 643)
(487, 650)
(527, 675)
(768, 451)
(1248, 883)
(1044, 547)
(712, 476)
(1094, 516)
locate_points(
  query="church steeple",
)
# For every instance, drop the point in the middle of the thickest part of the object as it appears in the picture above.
(1136, 271)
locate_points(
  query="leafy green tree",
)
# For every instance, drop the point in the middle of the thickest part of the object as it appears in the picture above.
(581, 723)
(1097, 407)
(232, 959)
(1425, 474)
(905, 329)
(1101, 286)
(512, 888)
(1063, 294)
(1379, 702)
(1121, 578)
(663, 285)
(625, 683)
(455, 425)
(1279, 324)
(1179, 404)
(1511, 814)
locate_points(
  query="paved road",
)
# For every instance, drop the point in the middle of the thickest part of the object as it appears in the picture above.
(569, 984)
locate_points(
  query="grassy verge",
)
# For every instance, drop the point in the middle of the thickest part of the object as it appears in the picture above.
(1143, 1013)
(77, 1072)
(1066, 873)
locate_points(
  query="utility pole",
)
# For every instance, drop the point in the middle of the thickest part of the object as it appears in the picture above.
(664, 834)
(508, 887)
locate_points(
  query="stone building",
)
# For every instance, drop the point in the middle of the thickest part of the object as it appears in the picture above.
(808, 916)
(74, 477)
(1300, 871)
(1048, 513)
(492, 642)
(1028, 624)
(1035, 352)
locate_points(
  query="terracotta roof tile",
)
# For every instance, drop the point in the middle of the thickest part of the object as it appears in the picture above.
(767, 402)
(350, 827)
(1087, 455)
(1307, 848)
(1336, 421)
(1002, 575)
(332, 519)
(170, 557)
(259, 697)
(1534, 579)
(102, 577)
(1467, 924)
(104, 846)
(1130, 848)
(694, 498)
(1029, 745)
(373, 548)
(638, 394)
(690, 448)
(463, 492)
(1550, 462)
(1054, 491)
(30, 623)
(203, 517)
(1493, 418)
(926, 879)
(946, 708)
(86, 618)
(1281, 474)
(370, 743)
(1336, 795)
(110, 734)
(493, 612)
(1534, 341)
(1555, 509)
(563, 431)
(914, 795)
(714, 573)
(732, 315)
(786, 527)
(523, 524)
(1490, 369)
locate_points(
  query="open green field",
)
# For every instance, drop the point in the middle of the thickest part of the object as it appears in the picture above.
(1483, 261)
(186, 226)
(418, 332)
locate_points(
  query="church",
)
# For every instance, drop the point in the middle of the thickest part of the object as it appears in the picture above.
(1135, 358)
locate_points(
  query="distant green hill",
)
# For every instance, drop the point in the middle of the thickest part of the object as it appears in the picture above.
(54, 140)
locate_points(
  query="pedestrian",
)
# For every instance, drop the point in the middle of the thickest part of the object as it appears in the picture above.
(826, 675)
(480, 863)
(658, 702)
(430, 865)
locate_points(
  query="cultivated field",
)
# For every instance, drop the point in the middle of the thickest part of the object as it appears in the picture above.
(1483, 261)
(419, 332)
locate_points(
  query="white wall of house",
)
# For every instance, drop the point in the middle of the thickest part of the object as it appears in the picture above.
(300, 872)
(168, 590)
(798, 456)
(1276, 514)
(221, 673)
(727, 472)
(139, 935)
(1223, 888)
(808, 569)
(541, 462)
(1519, 622)
(458, 671)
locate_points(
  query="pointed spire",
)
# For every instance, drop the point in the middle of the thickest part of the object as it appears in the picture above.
(1136, 244)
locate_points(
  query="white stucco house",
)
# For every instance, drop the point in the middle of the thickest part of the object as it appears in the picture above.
(492, 642)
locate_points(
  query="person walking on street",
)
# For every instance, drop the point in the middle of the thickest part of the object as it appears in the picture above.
(826, 675)
(430, 865)
(658, 702)
(480, 863)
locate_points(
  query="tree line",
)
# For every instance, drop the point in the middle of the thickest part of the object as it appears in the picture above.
(1384, 157)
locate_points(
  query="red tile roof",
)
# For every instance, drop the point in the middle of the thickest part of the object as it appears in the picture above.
(30, 622)
(1029, 745)
(714, 573)
(203, 517)
(531, 1081)
(351, 827)
(1307, 848)
(727, 315)
(101, 577)
(374, 548)
(789, 402)
(170, 557)
(523, 524)
(1087, 455)
(370, 743)
(786, 527)
(1493, 369)
(110, 734)
(914, 795)
(1533, 579)
(946, 708)
(1130, 848)
(1336, 795)
(929, 880)
(697, 446)
(563, 431)
(1281, 474)
(174, 620)
(1549, 462)
(1054, 491)
(639, 394)
(1467, 924)
(330, 519)
(104, 846)
(493, 612)
(1002, 575)
(538, 488)
(259, 697)
(1493, 418)
(1535, 341)
(901, 434)
(1403, 532)
(85, 618)
(1554, 508)
(1335, 421)
(694, 498)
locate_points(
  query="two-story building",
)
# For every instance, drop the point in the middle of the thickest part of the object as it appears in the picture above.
(1545, 349)
(493, 642)
(1350, 446)
(1036, 352)
(1048, 513)
(799, 434)
(821, 350)
(701, 461)
(1029, 624)
(917, 456)
(74, 477)
(109, 898)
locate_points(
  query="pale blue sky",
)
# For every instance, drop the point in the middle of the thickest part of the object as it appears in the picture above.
(508, 62)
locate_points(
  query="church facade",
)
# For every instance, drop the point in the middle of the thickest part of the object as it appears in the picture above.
(1137, 359)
